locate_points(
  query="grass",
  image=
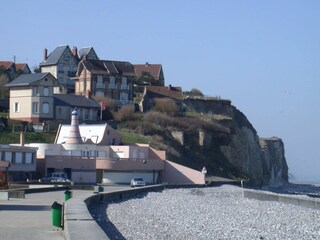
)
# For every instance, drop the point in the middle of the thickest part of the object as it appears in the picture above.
(131, 138)
(7, 137)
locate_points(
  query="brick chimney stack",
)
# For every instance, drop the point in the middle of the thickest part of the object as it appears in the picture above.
(75, 51)
(45, 54)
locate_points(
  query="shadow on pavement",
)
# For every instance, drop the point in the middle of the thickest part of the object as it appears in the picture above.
(24, 208)
(100, 215)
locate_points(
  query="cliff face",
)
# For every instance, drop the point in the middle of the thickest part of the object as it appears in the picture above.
(262, 161)
(218, 136)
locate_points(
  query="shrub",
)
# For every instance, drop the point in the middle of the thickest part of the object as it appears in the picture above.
(166, 105)
(125, 113)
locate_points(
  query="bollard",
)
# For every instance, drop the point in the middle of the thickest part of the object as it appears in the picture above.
(67, 195)
(100, 189)
(56, 213)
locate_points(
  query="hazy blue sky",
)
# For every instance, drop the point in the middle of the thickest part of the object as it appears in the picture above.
(262, 55)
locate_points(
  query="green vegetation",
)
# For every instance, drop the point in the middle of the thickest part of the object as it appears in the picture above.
(30, 137)
(131, 138)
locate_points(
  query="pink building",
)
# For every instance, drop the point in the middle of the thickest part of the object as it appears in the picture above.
(93, 154)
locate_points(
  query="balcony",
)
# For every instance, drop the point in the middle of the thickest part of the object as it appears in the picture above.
(125, 87)
(112, 86)
(130, 164)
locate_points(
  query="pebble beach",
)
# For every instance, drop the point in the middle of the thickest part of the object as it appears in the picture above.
(205, 213)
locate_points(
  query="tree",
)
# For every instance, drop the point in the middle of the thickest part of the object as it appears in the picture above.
(108, 105)
(147, 79)
(196, 92)
(4, 79)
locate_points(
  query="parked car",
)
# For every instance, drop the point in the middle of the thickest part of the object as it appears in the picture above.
(137, 182)
(55, 177)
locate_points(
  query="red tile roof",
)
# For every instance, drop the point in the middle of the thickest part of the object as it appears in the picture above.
(6, 64)
(20, 66)
(168, 91)
(153, 69)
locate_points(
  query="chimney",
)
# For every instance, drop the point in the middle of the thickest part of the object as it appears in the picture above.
(45, 54)
(74, 136)
(75, 51)
(22, 138)
(147, 64)
(169, 87)
(88, 94)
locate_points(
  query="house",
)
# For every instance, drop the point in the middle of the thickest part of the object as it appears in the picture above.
(32, 99)
(64, 104)
(152, 92)
(62, 63)
(85, 154)
(152, 73)
(22, 160)
(89, 53)
(8, 71)
(13, 69)
(23, 68)
(105, 78)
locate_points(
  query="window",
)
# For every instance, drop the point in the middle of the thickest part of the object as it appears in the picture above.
(112, 84)
(46, 91)
(124, 81)
(124, 96)
(86, 113)
(35, 107)
(45, 107)
(29, 158)
(8, 156)
(99, 79)
(16, 107)
(35, 91)
(19, 156)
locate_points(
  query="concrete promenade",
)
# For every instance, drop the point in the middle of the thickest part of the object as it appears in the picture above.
(30, 218)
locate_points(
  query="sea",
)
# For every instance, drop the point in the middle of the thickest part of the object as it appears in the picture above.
(296, 187)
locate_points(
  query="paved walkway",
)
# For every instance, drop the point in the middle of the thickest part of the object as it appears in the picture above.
(30, 218)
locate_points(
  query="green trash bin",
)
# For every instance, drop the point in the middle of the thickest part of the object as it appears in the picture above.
(67, 195)
(56, 212)
(100, 189)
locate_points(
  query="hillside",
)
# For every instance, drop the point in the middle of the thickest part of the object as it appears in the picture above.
(216, 135)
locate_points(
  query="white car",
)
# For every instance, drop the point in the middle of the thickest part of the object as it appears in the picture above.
(137, 182)
(55, 177)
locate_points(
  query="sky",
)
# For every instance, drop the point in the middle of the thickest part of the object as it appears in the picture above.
(264, 56)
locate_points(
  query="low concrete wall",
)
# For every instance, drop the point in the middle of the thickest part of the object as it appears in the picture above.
(78, 222)
(268, 196)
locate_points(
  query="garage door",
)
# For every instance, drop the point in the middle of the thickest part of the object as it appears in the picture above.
(125, 177)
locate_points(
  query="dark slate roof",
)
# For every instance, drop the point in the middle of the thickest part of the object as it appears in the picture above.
(109, 67)
(54, 57)
(27, 79)
(84, 51)
(74, 101)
